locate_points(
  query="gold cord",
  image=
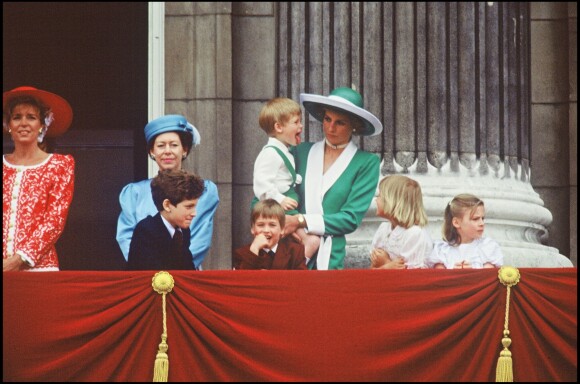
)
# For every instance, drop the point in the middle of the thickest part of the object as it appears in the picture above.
(163, 284)
(508, 276)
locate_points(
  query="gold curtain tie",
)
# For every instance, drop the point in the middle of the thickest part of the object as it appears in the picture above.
(163, 284)
(508, 276)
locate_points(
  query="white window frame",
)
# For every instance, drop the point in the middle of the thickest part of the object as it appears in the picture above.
(156, 69)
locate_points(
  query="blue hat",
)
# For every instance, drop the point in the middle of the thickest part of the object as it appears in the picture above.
(170, 123)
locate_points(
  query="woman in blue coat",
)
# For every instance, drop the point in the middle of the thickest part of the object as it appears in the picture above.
(339, 179)
(169, 140)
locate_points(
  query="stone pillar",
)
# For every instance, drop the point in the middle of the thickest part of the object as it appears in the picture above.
(254, 83)
(198, 84)
(451, 84)
(554, 123)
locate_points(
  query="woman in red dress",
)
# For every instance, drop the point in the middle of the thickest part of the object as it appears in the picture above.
(37, 185)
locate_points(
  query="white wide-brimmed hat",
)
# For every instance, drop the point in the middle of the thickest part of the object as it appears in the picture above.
(345, 100)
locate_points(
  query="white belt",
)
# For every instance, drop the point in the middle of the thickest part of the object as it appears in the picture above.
(323, 256)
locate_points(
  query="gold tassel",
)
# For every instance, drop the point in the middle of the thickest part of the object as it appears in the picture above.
(162, 284)
(161, 369)
(504, 372)
(508, 276)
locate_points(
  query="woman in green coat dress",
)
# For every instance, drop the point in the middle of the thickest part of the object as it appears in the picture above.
(339, 180)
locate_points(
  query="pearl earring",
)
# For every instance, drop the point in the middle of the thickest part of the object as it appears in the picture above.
(183, 157)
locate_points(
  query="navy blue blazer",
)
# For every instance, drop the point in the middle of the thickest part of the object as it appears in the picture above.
(151, 248)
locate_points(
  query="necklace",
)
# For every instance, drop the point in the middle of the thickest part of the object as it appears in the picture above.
(339, 146)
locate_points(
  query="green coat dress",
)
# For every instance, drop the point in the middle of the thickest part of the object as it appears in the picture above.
(346, 196)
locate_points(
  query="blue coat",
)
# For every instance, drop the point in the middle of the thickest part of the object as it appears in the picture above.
(137, 203)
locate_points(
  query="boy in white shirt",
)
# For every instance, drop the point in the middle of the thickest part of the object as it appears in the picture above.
(274, 169)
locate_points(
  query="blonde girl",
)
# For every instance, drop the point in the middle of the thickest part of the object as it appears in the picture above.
(402, 242)
(463, 244)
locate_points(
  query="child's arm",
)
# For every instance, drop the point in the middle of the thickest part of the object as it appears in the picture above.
(398, 263)
(259, 242)
(492, 253)
(289, 204)
(379, 257)
(266, 168)
(247, 257)
(144, 252)
(416, 247)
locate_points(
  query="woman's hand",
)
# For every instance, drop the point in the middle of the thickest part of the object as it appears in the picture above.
(13, 263)
(291, 226)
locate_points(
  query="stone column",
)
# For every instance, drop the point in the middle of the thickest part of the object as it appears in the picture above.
(451, 84)
(553, 114)
(198, 84)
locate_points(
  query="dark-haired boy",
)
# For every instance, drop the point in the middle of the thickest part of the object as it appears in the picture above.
(161, 242)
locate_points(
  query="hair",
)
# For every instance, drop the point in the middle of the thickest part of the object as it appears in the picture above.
(268, 208)
(457, 208)
(277, 110)
(186, 139)
(176, 185)
(402, 200)
(43, 111)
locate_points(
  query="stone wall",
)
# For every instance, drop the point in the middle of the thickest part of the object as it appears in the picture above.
(198, 84)
(554, 118)
(224, 60)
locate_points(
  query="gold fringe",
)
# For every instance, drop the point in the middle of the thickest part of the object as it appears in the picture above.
(508, 276)
(162, 284)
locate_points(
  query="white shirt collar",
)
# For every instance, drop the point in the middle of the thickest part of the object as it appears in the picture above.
(278, 144)
(273, 249)
(168, 225)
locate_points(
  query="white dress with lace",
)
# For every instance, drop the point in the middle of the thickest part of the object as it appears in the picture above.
(413, 244)
(477, 253)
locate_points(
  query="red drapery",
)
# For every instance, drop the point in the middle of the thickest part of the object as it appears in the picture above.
(351, 325)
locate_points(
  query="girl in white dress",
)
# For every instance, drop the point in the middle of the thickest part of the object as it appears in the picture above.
(402, 242)
(463, 244)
